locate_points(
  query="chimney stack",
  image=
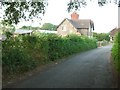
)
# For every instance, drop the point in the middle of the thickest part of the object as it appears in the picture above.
(74, 16)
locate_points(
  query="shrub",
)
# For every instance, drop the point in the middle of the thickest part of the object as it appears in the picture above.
(116, 51)
(23, 53)
(15, 59)
(63, 46)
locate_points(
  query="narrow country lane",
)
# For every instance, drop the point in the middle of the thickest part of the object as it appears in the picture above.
(90, 69)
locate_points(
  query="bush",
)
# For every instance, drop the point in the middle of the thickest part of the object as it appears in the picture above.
(60, 47)
(116, 51)
(15, 59)
(23, 53)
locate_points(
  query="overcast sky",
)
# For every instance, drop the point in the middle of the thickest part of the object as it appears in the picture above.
(105, 18)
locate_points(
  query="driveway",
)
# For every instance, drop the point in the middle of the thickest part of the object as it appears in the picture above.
(90, 69)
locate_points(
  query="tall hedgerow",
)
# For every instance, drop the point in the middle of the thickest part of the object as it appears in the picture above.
(116, 51)
(24, 53)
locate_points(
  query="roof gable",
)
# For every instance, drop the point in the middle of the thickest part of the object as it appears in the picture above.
(61, 22)
(113, 32)
(80, 24)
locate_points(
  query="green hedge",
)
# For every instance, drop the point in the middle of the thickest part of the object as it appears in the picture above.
(116, 51)
(24, 53)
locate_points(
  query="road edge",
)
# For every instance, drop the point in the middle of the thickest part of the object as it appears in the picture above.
(116, 74)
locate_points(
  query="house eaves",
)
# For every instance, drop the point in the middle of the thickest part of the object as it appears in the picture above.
(81, 24)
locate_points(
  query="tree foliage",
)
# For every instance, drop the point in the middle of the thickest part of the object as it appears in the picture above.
(6, 28)
(116, 51)
(27, 9)
(77, 4)
(48, 26)
(101, 36)
(29, 28)
(14, 11)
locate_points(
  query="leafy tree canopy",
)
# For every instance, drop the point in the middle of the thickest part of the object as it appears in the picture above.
(6, 27)
(27, 9)
(14, 11)
(77, 4)
(29, 28)
(101, 36)
(48, 26)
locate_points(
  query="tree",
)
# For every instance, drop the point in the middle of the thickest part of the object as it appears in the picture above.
(14, 11)
(101, 36)
(48, 26)
(77, 4)
(29, 28)
(6, 28)
(24, 27)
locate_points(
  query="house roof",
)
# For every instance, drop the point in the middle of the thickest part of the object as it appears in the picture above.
(80, 24)
(21, 31)
(113, 32)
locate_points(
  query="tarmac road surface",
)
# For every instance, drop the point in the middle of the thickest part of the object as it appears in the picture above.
(90, 69)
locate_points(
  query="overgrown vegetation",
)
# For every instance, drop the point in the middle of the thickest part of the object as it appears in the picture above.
(6, 28)
(116, 51)
(101, 36)
(49, 26)
(24, 53)
(30, 28)
(45, 26)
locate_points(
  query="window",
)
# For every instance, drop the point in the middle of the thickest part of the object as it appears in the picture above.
(63, 28)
